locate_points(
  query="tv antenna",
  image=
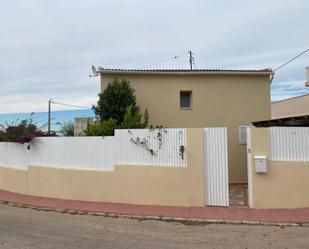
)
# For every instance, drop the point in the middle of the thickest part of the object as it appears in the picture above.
(191, 60)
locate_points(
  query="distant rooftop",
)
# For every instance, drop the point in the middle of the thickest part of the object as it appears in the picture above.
(266, 71)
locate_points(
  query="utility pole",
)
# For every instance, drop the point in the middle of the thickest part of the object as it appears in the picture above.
(49, 114)
(191, 59)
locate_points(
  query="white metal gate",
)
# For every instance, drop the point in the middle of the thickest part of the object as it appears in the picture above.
(216, 167)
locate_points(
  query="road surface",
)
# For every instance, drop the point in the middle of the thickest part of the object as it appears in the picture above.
(27, 228)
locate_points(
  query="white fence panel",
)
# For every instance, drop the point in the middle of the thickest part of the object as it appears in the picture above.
(155, 147)
(289, 143)
(152, 147)
(216, 167)
(14, 155)
(75, 152)
(48, 151)
(3, 153)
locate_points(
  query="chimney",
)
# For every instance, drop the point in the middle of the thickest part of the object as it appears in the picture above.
(307, 81)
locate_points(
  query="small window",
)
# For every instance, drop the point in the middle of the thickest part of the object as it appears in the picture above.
(185, 99)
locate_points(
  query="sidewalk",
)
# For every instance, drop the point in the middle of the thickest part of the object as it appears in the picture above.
(211, 214)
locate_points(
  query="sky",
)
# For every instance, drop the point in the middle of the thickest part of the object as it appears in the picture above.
(47, 47)
(58, 118)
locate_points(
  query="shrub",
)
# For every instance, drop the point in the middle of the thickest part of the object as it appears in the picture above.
(67, 129)
(101, 128)
(22, 132)
(133, 120)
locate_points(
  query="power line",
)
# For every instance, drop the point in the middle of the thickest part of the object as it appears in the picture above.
(169, 59)
(294, 58)
(77, 106)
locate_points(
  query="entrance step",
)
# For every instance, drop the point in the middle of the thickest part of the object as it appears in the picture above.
(238, 194)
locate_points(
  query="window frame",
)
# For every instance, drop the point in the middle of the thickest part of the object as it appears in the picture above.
(191, 100)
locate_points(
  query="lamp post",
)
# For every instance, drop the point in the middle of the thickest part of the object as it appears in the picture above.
(49, 114)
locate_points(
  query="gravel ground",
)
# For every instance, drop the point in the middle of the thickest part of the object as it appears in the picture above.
(27, 228)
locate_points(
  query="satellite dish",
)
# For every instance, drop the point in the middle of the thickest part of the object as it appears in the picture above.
(94, 71)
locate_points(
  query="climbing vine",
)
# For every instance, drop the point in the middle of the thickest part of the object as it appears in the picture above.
(182, 151)
(145, 144)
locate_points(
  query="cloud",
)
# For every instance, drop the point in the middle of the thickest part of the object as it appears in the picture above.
(48, 47)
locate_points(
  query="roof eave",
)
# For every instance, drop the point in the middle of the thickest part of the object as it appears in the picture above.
(186, 72)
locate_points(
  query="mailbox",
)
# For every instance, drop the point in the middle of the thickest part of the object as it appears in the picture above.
(260, 164)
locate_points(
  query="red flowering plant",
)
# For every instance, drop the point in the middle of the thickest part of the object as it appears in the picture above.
(22, 132)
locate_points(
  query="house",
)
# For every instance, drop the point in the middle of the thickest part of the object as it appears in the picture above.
(292, 107)
(80, 125)
(203, 98)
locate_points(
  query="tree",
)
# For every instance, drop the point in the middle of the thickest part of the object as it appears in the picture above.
(114, 101)
(117, 109)
(67, 129)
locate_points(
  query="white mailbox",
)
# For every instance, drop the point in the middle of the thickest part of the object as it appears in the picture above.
(260, 164)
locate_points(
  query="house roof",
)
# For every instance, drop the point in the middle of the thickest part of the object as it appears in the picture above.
(292, 98)
(298, 121)
(267, 71)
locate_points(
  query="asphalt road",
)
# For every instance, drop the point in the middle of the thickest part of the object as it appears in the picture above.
(27, 228)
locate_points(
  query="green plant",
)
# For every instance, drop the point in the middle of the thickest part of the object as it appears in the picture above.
(159, 137)
(181, 151)
(67, 129)
(101, 128)
(144, 144)
(114, 101)
(22, 132)
(133, 120)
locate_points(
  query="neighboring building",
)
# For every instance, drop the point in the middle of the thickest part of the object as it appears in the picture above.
(307, 81)
(80, 125)
(203, 98)
(296, 106)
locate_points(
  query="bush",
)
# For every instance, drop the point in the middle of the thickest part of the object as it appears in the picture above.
(133, 120)
(101, 128)
(67, 129)
(22, 132)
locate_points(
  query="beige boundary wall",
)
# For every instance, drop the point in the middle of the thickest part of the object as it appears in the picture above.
(179, 186)
(285, 185)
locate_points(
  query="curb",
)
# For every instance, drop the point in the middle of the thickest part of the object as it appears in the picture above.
(185, 221)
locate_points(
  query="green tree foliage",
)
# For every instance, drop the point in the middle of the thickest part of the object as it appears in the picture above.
(101, 128)
(133, 120)
(67, 129)
(114, 100)
(117, 109)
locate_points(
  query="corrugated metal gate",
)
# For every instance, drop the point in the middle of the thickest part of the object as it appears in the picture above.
(216, 167)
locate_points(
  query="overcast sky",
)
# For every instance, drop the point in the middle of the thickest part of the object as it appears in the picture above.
(47, 47)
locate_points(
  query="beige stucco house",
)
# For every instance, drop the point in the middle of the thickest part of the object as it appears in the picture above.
(292, 107)
(203, 98)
